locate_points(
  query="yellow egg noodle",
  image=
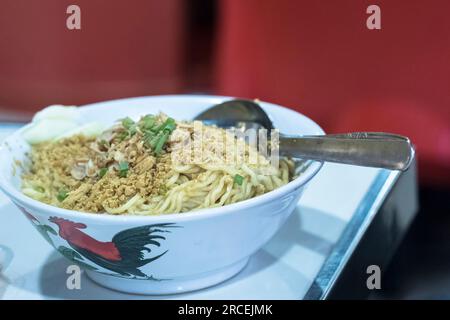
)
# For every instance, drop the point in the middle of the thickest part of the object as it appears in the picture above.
(155, 165)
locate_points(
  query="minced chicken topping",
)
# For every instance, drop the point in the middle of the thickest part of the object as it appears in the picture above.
(89, 175)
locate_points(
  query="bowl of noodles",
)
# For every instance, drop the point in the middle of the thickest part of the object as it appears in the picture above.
(145, 199)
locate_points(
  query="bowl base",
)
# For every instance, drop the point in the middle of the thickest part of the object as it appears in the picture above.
(172, 286)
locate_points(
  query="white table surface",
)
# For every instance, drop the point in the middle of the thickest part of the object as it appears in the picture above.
(284, 269)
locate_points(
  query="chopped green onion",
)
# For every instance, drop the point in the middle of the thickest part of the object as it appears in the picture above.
(123, 169)
(156, 128)
(132, 131)
(130, 125)
(157, 136)
(122, 135)
(169, 125)
(161, 142)
(102, 172)
(238, 179)
(148, 135)
(148, 138)
(39, 189)
(147, 122)
(154, 140)
(167, 128)
(127, 122)
(62, 194)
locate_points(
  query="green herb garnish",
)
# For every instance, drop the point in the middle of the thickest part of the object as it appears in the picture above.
(132, 130)
(148, 136)
(102, 172)
(122, 135)
(62, 194)
(130, 127)
(147, 122)
(156, 135)
(156, 128)
(154, 140)
(123, 169)
(39, 189)
(238, 179)
(127, 122)
(169, 125)
(160, 144)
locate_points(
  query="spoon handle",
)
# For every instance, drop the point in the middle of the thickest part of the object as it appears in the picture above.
(370, 149)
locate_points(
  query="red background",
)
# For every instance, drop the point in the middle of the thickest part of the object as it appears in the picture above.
(317, 57)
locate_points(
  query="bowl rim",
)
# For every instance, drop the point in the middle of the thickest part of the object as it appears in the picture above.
(27, 202)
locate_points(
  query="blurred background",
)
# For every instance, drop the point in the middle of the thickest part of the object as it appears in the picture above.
(317, 57)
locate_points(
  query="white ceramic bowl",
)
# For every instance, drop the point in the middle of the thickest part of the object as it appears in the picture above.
(188, 251)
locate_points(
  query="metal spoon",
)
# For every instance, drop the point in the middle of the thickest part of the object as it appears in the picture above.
(369, 149)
